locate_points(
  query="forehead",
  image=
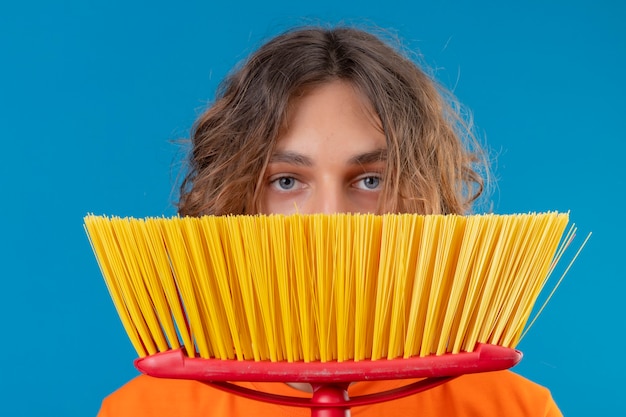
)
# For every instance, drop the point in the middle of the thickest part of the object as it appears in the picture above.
(330, 114)
(337, 90)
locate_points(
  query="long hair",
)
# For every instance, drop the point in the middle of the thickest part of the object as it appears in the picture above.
(433, 159)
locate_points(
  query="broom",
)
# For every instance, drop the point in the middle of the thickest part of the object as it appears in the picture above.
(326, 299)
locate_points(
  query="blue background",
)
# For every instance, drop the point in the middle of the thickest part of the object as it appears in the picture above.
(93, 94)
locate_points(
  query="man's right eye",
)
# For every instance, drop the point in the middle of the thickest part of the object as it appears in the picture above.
(284, 183)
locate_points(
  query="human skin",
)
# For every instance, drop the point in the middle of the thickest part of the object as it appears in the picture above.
(330, 158)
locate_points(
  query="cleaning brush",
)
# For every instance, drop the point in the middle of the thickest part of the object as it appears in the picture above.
(327, 299)
(313, 289)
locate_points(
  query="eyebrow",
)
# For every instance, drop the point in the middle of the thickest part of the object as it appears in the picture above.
(377, 155)
(294, 158)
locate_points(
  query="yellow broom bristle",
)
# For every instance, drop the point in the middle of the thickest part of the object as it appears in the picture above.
(326, 287)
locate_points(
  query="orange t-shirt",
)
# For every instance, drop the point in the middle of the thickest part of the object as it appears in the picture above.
(501, 393)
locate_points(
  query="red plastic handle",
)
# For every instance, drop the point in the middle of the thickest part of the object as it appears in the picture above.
(331, 395)
(175, 364)
(330, 380)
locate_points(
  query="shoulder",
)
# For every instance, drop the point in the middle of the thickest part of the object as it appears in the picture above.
(146, 386)
(160, 397)
(504, 391)
(508, 378)
(490, 394)
(149, 396)
(503, 381)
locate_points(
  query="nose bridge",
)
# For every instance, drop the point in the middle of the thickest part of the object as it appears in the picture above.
(329, 197)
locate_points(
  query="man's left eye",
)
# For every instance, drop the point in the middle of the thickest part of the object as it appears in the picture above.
(371, 182)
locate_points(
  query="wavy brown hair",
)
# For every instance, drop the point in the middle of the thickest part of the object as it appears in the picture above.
(433, 161)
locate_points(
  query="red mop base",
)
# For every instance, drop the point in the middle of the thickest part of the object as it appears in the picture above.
(330, 380)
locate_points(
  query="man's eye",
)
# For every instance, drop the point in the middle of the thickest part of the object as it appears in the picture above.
(284, 183)
(371, 182)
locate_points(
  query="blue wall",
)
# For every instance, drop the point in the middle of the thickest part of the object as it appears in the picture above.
(92, 94)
